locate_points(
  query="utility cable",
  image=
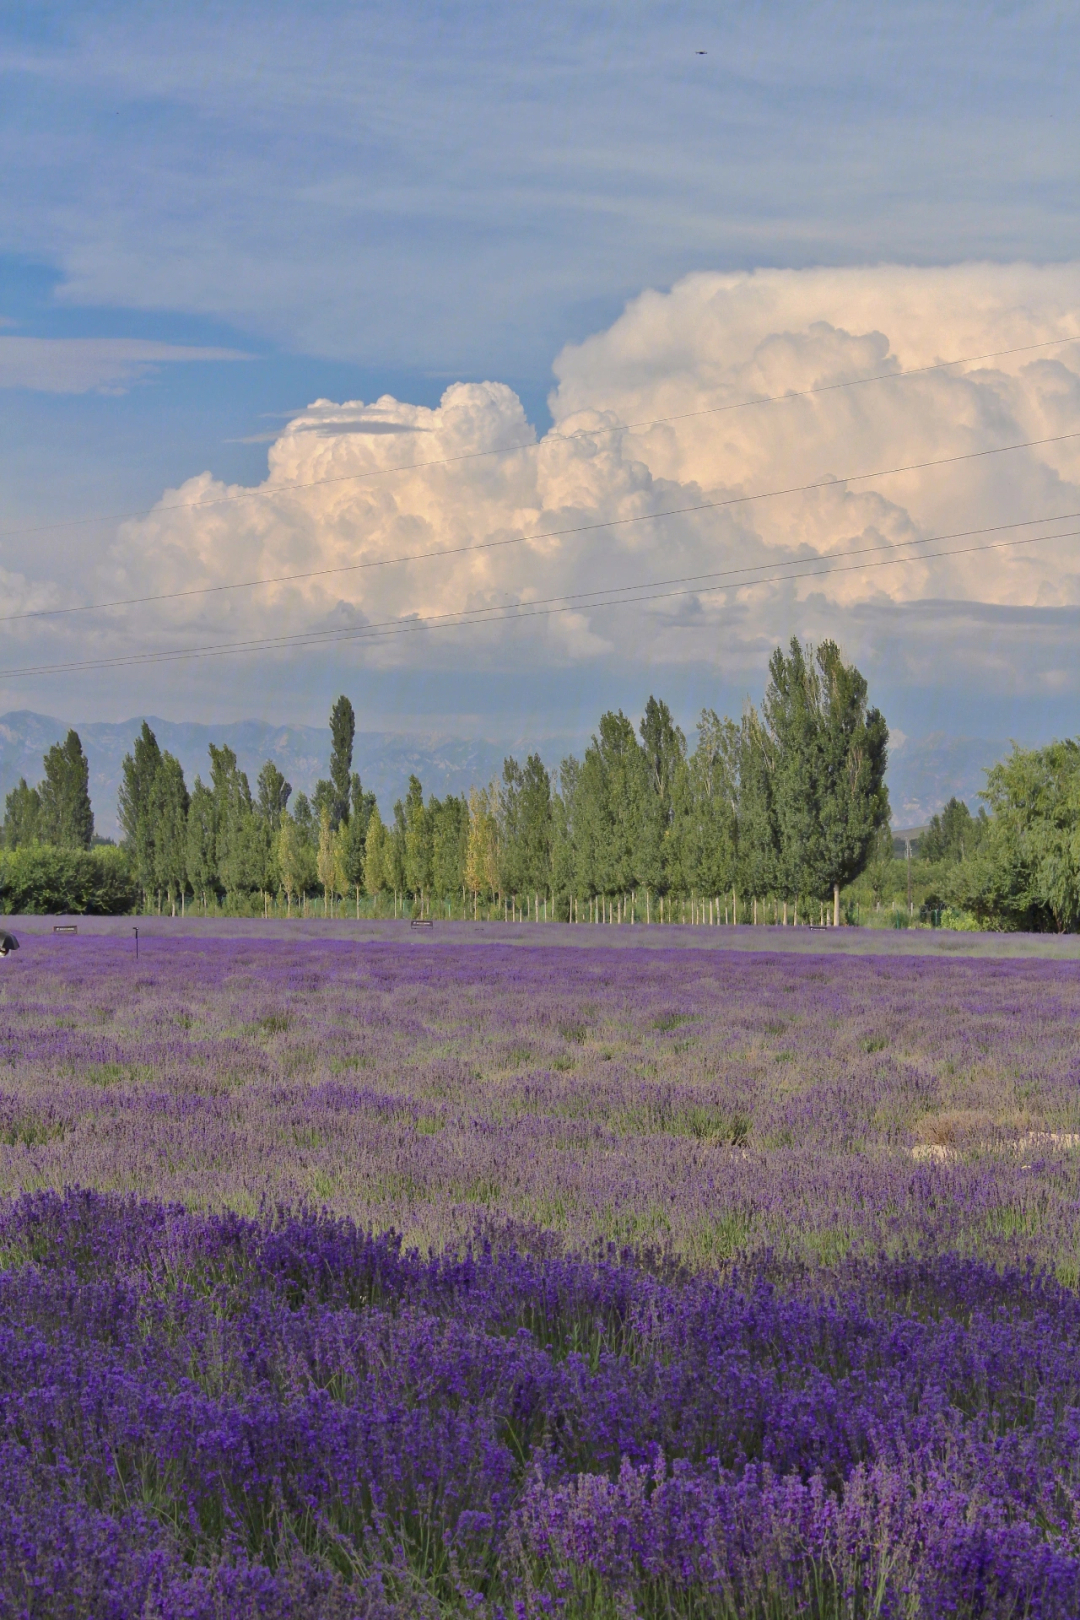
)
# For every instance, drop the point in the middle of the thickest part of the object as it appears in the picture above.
(618, 596)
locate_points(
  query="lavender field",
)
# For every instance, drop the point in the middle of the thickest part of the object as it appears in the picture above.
(370, 1279)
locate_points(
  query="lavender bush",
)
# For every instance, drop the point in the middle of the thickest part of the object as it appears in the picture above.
(750, 1292)
(710, 1103)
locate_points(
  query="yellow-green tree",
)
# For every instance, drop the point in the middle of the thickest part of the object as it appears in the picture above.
(482, 849)
(326, 865)
(290, 859)
(375, 852)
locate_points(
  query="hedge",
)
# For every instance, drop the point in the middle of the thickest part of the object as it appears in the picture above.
(41, 880)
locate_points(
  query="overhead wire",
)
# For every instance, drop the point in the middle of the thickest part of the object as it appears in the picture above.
(270, 492)
(617, 596)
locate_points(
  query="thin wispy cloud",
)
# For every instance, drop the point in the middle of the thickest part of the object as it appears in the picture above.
(77, 365)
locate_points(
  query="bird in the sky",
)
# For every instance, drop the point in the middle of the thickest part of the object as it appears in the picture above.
(701, 53)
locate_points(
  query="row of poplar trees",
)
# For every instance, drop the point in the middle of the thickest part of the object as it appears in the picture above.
(778, 808)
(57, 811)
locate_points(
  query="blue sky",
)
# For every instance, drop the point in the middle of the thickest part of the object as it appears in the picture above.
(211, 216)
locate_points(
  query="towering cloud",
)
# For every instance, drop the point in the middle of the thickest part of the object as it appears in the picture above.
(681, 427)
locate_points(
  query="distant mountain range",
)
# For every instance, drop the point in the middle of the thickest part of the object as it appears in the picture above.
(385, 760)
(923, 771)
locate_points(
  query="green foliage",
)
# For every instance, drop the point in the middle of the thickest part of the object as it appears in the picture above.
(450, 843)
(200, 843)
(380, 875)
(954, 834)
(525, 827)
(65, 818)
(828, 755)
(22, 812)
(1026, 872)
(712, 806)
(44, 880)
(786, 802)
(273, 795)
(342, 732)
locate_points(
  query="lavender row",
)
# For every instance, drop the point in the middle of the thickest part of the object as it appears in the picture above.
(708, 1103)
(207, 1415)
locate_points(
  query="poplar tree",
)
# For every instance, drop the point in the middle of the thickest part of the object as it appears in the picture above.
(273, 794)
(326, 864)
(240, 842)
(417, 841)
(22, 815)
(200, 851)
(342, 733)
(482, 847)
(375, 867)
(854, 754)
(791, 716)
(713, 778)
(138, 771)
(758, 867)
(168, 814)
(828, 758)
(450, 839)
(66, 818)
(535, 827)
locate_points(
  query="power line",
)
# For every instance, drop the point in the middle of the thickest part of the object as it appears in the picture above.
(535, 444)
(658, 590)
(549, 534)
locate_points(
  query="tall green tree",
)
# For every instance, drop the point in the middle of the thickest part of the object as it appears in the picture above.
(758, 867)
(66, 818)
(829, 752)
(854, 753)
(614, 791)
(790, 715)
(333, 795)
(449, 849)
(525, 828)
(418, 846)
(200, 864)
(22, 815)
(378, 877)
(139, 772)
(168, 810)
(240, 838)
(1027, 873)
(273, 794)
(661, 850)
(954, 834)
(713, 779)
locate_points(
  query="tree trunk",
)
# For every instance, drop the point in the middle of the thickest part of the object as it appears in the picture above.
(836, 905)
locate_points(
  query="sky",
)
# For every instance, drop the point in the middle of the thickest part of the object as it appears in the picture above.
(568, 354)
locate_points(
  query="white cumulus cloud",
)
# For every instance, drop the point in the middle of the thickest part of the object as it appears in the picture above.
(730, 386)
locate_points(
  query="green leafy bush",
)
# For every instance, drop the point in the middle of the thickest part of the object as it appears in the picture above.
(43, 880)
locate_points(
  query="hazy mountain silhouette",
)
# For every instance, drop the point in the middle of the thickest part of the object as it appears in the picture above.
(923, 771)
(384, 759)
